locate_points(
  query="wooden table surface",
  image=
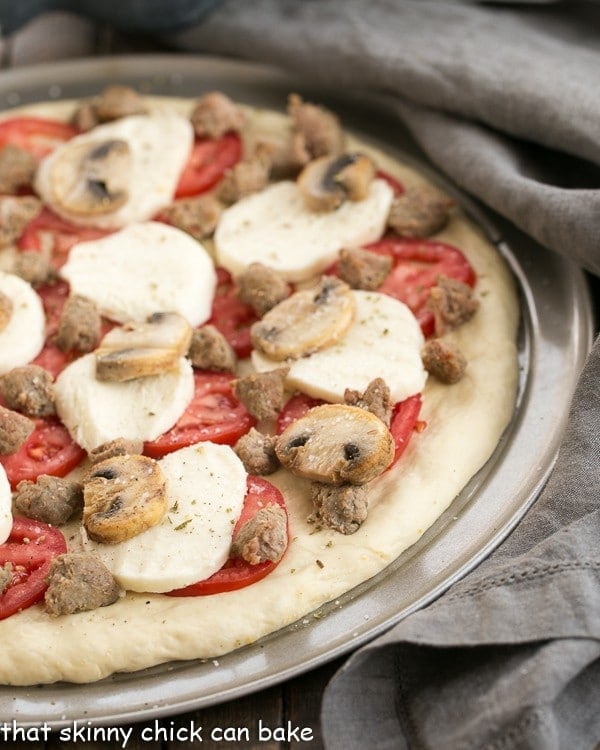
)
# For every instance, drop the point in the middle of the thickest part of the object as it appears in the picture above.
(296, 703)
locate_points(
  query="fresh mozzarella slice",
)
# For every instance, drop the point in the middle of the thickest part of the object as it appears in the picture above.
(274, 227)
(383, 341)
(5, 506)
(23, 337)
(142, 269)
(96, 411)
(159, 144)
(206, 484)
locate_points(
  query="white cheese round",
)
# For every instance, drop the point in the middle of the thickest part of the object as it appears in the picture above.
(274, 227)
(5, 506)
(23, 337)
(384, 340)
(96, 411)
(160, 144)
(145, 268)
(206, 485)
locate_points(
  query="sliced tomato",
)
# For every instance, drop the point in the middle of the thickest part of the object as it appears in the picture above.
(237, 573)
(48, 450)
(30, 548)
(62, 235)
(294, 408)
(404, 422)
(231, 316)
(38, 135)
(392, 181)
(214, 414)
(208, 162)
(417, 265)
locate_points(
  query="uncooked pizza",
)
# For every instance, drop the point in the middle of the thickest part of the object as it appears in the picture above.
(246, 360)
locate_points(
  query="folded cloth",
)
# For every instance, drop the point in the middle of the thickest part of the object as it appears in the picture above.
(504, 100)
(509, 657)
(479, 86)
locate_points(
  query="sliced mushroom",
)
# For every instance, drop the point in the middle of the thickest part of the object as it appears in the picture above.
(306, 322)
(138, 350)
(327, 182)
(123, 496)
(336, 444)
(92, 178)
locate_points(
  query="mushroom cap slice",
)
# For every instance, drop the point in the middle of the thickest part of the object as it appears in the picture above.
(306, 322)
(92, 178)
(327, 182)
(336, 444)
(123, 496)
(137, 350)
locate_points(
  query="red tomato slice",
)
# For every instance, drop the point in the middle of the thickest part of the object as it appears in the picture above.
(392, 181)
(417, 265)
(237, 573)
(208, 162)
(63, 235)
(48, 450)
(231, 316)
(31, 546)
(404, 422)
(214, 414)
(38, 135)
(294, 408)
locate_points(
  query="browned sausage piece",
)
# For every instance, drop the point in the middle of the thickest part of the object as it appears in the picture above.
(79, 327)
(49, 499)
(452, 304)
(210, 350)
(317, 131)
(262, 288)
(362, 269)
(198, 216)
(216, 114)
(342, 508)
(444, 360)
(28, 389)
(14, 430)
(247, 176)
(419, 212)
(263, 537)
(17, 168)
(34, 267)
(263, 394)
(114, 102)
(116, 447)
(79, 582)
(15, 214)
(376, 399)
(257, 452)
(6, 573)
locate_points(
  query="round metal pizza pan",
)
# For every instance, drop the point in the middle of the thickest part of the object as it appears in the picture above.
(555, 336)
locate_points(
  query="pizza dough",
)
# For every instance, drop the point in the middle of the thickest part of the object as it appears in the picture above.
(464, 424)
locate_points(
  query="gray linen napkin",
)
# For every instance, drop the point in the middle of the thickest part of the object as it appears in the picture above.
(506, 100)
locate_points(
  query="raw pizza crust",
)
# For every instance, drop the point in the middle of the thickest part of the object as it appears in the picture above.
(464, 424)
